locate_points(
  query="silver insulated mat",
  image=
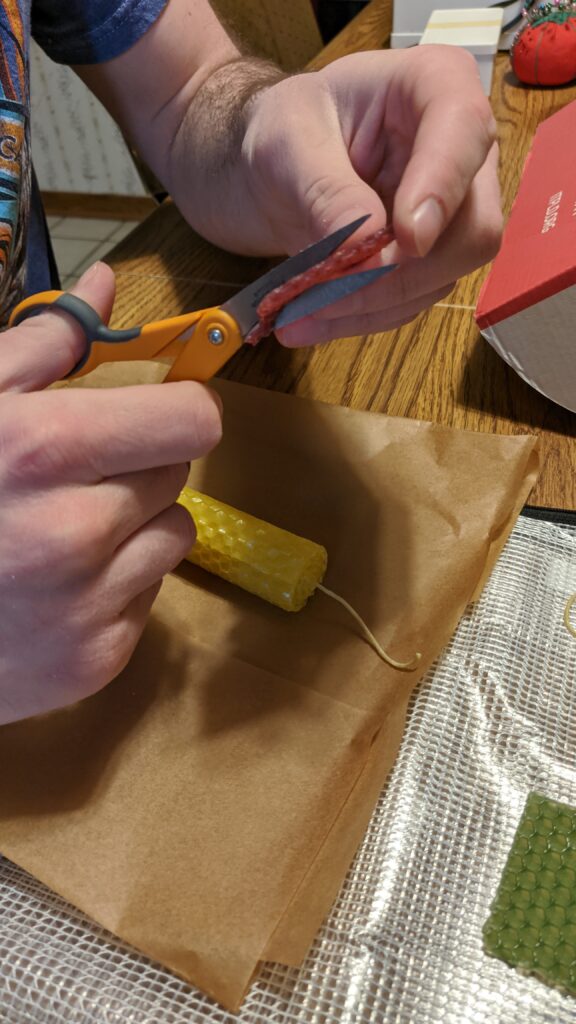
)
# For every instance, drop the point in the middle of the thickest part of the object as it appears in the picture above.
(494, 719)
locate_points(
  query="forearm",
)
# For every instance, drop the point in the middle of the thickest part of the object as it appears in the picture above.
(187, 118)
(205, 168)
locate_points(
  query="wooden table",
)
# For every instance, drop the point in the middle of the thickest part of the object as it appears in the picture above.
(438, 368)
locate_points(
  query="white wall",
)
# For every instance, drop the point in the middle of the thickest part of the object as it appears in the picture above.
(76, 146)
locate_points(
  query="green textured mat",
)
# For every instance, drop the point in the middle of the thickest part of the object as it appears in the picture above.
(532, 924)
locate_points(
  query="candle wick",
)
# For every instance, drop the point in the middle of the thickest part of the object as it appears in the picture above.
(403, 666)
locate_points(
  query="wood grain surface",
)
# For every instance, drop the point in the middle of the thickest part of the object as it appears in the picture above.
(437, 368)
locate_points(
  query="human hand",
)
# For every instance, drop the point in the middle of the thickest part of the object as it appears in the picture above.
(88, 520)
(405, 135)
(265, 164)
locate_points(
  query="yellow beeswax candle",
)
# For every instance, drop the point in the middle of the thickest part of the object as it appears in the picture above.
(257, 556)
(269, 562)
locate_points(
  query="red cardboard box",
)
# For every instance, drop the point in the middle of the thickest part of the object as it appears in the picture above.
(527, 305)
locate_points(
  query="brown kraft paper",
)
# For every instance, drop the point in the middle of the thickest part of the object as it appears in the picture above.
(205, 806)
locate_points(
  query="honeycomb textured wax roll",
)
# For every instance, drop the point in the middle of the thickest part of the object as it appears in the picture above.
(532, 924)
(263, 559)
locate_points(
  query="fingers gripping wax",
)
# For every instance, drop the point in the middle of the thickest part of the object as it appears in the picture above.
(267, 561)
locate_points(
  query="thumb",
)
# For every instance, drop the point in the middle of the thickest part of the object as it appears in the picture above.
(44, 348)
(340, 195)
(326, 190)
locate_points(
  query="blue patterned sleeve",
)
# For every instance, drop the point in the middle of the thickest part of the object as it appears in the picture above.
(91, 31)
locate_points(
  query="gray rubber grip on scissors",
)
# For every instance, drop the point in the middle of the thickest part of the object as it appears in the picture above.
(92, 325)
(89, 320)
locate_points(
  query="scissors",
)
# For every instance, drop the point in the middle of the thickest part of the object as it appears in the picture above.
(201, 342)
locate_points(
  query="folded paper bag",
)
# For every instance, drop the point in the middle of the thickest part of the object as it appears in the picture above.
(205, 806)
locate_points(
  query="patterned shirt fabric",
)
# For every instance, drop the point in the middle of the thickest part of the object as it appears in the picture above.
(71, 32)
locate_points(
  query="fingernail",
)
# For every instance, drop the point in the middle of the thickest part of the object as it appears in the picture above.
(90, 272)
(213, 434)
(428, 221)
(217, 400)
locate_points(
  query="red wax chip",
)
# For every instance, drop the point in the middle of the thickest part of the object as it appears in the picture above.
(349, 255)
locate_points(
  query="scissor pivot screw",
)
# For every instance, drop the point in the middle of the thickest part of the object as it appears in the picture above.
(215, 336)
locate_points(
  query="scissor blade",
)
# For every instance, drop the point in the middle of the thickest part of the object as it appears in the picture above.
(244, 304)
(322, 295)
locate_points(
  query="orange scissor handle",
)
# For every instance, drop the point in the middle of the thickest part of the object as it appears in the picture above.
(199, 343)
(31, 304)
(163, 338)
(215, 339)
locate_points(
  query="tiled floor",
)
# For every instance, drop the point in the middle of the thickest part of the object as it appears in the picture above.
(80, 241)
